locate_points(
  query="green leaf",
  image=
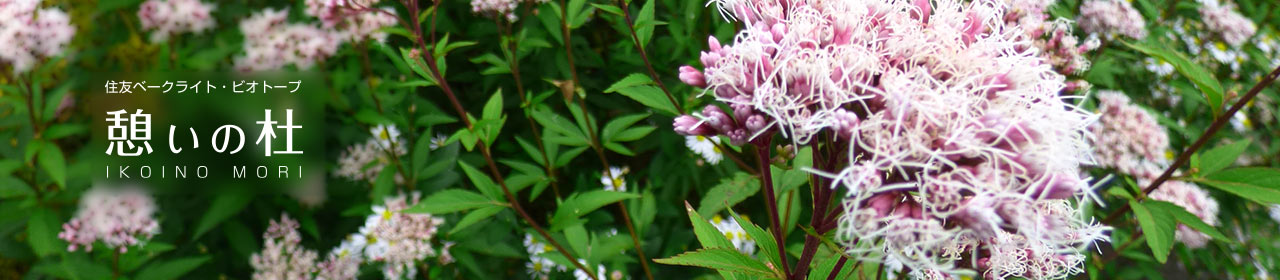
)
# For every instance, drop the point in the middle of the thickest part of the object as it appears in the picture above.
(580, 204)
(451, 200)
(619, 124)
(1260, 194)
(619, 148)
(53, 163)
(638, 87)
(1258, 176)
(561, 126)
(764, 240)
(1158, 226)
(708, 235)
(482, 181)
(577, 237)
(729, 192)
(383, 184)
(1202, 78)
(633, 133)
(635, 79)
(1221, 157)
(42, 232)
(721, 259)
(473, 217)
(171, 269)
(225, 205)
(1188, 219)
(493, 108)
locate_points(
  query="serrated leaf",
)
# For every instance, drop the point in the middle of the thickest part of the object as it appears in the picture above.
(580, 204)
(721, 259)
(1188, 219)
(1260, 194)
(451, 200)
(1158, 226)
(1221, 157)
(493, 108)
(729, 192)
(763, 239)
(707, 234)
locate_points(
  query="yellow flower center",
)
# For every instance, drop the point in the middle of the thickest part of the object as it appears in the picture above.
(384, 135)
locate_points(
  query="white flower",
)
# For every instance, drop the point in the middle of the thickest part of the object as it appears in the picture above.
(736, 235)
(387, 135)
(705, 146)
(613, 180)
(170, 17)
(579, 274)
(439, 141)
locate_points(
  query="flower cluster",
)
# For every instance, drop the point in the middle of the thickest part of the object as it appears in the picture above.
(364, 161)
(271, 42)
(1223, 21)
(282, 257)
(1128, 138)
(500, 8)
(1194, 200)
(166, 18)
(960, 144)
(1057, 45)
(1111, 18)
(539, 266)
(399, 241)
(353, 20)
(29, 32)
(119, 217)
(734, 232)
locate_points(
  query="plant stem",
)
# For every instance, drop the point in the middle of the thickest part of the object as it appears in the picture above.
(839, 266)
(1185, 156)
(626, 14)
(644, 262)
(513, 59)
(770, 199)
(430, 62)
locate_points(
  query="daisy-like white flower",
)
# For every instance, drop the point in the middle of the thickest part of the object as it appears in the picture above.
(539, 267)
(705, 146)
(613, 179)
(440, 140)
(579, 274)
(734, 232)
(387, 135)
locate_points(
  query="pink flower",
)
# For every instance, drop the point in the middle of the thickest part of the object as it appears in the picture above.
(1128, 138)
(1194, 200)
(118, 217)
(171, 17)
(1112, 17)
(282, 257)
(271, 43)
(1223, 21)
(26, 37)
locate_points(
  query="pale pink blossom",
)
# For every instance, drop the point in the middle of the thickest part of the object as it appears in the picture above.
(353, 20)
(118, 217)
(1194, 200)
(1110, 18)
(956, 129)
(282, 257)
(271, 42)
(1128, 138)
(29, 33)
(1223, 21)
(165, 18)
